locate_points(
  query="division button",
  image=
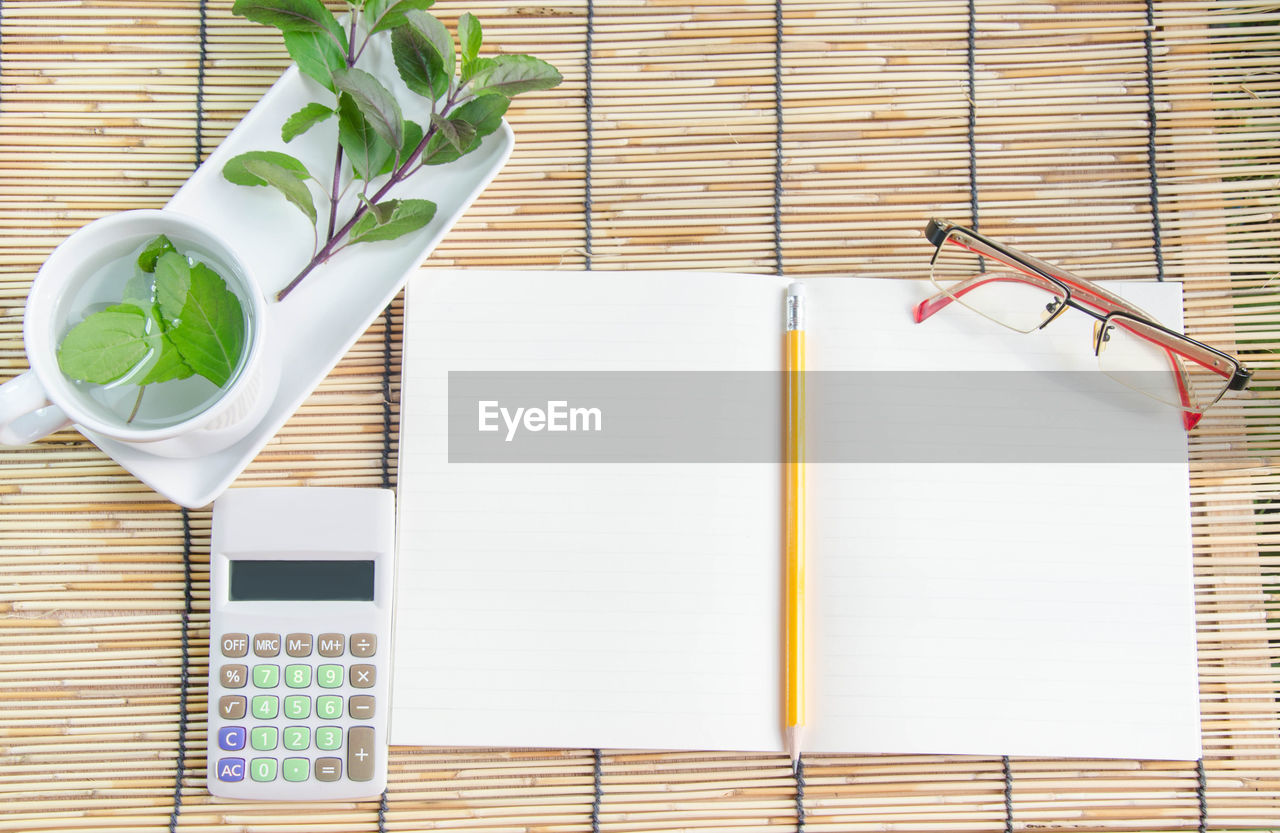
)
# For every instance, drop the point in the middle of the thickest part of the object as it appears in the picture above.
(362, 758)
(363, 644)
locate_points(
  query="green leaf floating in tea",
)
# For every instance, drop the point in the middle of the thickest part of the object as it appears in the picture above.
(202, 317)
(106, 345)
(178, 319)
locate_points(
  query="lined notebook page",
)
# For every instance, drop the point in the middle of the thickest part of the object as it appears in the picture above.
(584, 605)
(997, 608)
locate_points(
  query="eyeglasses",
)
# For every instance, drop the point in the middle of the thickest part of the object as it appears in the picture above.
(1025, 294)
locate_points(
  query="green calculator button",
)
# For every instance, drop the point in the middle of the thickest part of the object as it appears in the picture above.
(297, 676)
(296, 769)
(296, 737)
(328, 738)
(329, 707)
(265, 706)
(329, 676)
(297, 706)
(266, 676)
(262, 769)
(264, 738)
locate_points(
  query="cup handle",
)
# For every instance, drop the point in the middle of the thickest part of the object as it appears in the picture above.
(26, 414)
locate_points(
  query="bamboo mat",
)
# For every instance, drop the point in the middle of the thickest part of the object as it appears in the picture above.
(1122, 139)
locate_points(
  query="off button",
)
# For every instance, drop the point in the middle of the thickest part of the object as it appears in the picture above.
(235, 644)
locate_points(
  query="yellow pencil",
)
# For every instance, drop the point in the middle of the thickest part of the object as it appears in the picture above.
(794, 696)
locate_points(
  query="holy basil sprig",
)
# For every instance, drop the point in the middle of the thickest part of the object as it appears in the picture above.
(459, 97)
(176, 319)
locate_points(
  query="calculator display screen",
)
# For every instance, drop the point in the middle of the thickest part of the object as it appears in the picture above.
(294, 580)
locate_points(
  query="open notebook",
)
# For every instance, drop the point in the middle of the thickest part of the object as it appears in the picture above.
(983, 608)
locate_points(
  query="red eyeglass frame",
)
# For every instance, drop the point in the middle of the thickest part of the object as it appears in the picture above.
(1089, 298)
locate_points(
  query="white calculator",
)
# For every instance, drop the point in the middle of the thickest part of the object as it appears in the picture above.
(300, 598)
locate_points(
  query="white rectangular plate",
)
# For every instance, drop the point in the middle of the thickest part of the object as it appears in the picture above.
(315, 325)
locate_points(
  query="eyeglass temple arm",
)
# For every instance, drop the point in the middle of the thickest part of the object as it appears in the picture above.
(929, 306)
(1082, 291)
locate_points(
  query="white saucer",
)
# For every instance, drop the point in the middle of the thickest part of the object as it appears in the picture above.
(316, 324)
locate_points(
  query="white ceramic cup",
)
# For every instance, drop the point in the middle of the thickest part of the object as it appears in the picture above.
(43, 400)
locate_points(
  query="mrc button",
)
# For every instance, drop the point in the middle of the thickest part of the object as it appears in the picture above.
(266, 644)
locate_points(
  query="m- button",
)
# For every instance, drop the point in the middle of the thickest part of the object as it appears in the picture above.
(298, 644)
(266, 644)
(235, 644)
(363, 644)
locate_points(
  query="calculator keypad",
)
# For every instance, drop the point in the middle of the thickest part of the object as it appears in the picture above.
(287, 721)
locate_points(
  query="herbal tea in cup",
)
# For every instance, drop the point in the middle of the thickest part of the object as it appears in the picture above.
(143, 327)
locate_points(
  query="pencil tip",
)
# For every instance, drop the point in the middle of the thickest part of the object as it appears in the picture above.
(793, 747)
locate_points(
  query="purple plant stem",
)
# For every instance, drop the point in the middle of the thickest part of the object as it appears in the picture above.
(330, 247)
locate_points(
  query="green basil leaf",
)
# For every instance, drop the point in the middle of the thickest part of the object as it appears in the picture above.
(106, 345)
(456, 134)
(377, 105)
(481, 116)
(470, 36)
(390, 14)
(361, 143)
(173, 284)
(303, 120)
(316, 55)
(209, 333)
(284, 181)
(292, 16)
(391, 219)
(412, 138)
(511, 75)
(438, 34)
(152, 251)
(168, 366)
(235, 171)
(418, 59)
(474, 66)
(484, 114)
(138, 290)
